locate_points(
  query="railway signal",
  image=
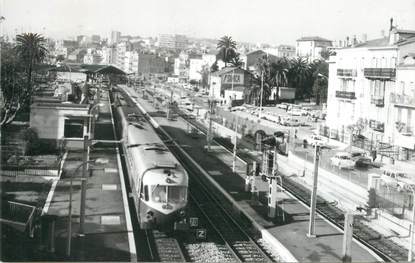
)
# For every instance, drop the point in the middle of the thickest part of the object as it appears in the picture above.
(193, 221)
(201, 234)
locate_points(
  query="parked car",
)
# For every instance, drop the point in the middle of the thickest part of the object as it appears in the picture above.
(295, 112)
(343, 160)
(283, 106)
(361, 159)
(292, 122)
(314, 140)
(396, 177)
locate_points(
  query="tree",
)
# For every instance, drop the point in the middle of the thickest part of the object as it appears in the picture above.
(60, 58)
(31, 49)
(12, 84)
(325, 54)
(263, 77)
(320, 70)
(227, 47)
(214, 67)
(279, 71)
(236, 61)
(205, 75)
(298, 73)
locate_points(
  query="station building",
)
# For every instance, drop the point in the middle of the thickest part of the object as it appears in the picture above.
(371, 94)
(230, 84)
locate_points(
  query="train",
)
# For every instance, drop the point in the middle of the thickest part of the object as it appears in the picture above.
(158, 181)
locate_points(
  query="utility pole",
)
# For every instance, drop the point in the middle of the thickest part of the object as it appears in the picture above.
(347, 238)
(262, 90)
(311, 229)
(235, 146)
(85, 167)
(209, 133)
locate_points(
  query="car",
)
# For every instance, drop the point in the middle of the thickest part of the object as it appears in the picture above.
(314, 140)
(283, 106)
(394, 176)
(238, 108)
(292, 122)
(295, 112)
(343, 160)
(361, 159)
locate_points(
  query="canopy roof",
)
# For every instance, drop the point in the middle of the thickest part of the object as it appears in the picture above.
(89, 69)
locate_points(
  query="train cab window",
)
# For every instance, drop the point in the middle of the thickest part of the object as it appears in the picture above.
(146, 192)
(177, 194)
(159, 193)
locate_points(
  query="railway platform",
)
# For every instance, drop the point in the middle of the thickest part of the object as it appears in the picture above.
(108, 234)
(291, 232)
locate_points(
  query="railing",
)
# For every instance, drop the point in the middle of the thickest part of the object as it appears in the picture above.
(402, 99)
(379, 102)
(346, 72)
(377, 125)
(385, 73)
(345, 94)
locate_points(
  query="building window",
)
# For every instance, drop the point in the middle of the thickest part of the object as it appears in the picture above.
(74, 128)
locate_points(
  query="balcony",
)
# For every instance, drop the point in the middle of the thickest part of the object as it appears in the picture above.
(402, 100)
(404, 136)
(346, 72)
(378, 102)
(380, 73)
(345, 94)
(377, 125)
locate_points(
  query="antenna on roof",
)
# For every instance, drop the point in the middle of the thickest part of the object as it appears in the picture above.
(391, 24)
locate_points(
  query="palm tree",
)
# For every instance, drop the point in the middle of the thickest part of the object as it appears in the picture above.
(263, 77)
(298, 73)
(236, 61)
(320, 71)
(227, 47)
(279, 71)
(31, 49)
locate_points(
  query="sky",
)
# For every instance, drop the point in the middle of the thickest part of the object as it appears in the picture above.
(257, 21)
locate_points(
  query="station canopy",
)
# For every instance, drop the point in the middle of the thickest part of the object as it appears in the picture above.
(89, 69)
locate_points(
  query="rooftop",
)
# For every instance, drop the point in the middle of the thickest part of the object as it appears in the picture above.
(227, 70)
(379, 42)
(89, 68)
(314, 38)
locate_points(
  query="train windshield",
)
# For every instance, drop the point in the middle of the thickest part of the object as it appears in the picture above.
(159, 193)
(171, 194)
(177, 194)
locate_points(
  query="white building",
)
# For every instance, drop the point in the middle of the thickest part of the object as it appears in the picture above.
(195, 67)
(311, 47)
(372, 85)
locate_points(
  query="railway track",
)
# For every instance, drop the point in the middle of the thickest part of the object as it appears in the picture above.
(238, 245)
(241, 246)
(164, 248)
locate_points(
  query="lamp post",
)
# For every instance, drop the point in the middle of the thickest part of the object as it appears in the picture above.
(411, 241)
(2, 18)
(311, 228)
(235, 146)
(69, 237)
(87, 142)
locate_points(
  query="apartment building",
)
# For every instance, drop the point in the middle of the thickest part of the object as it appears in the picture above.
(177, 42)
(311, 47)
(371, 91)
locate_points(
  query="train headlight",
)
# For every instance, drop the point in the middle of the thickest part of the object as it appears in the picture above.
(182, 213)
(149, 215)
